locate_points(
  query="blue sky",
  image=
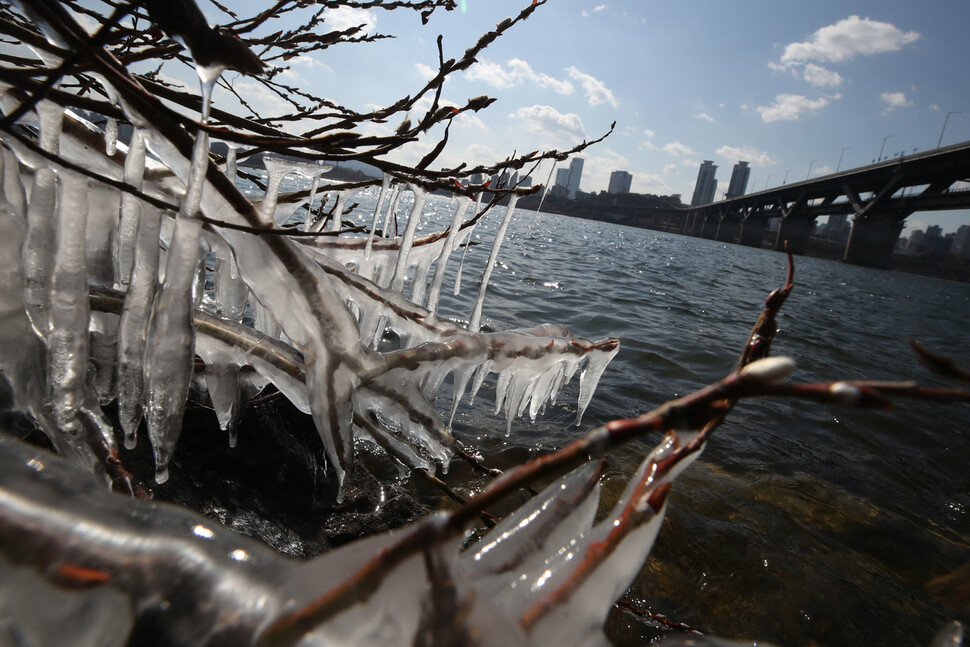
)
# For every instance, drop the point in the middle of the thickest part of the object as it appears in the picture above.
(789, 87)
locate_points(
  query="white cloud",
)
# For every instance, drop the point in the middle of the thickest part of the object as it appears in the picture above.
(847, 39)
(587, 13)
(596, 91)
(789, 107)
(670, 169)
(748, 154)
(678, 149)
(933, 107)
(342, 18)
(650, 183)
(549, 122)
(894, 100)
(426, 71)
(703, 116)
(649, 133)
(515, 72)
(821, 77)
(260, 98)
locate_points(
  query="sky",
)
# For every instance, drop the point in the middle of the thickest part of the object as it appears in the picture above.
(795, 89)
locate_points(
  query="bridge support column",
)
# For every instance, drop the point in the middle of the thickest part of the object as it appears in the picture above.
(872, 239)
(753, 231)
(709, 224)
(796, 230)
(728, 229)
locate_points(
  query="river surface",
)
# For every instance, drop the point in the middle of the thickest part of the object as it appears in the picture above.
(800, 523)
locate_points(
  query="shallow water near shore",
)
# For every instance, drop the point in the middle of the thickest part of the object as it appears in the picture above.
(799, 523)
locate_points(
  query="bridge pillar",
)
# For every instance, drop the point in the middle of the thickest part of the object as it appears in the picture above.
(728, 229)
(796, 230)
(709, 225)
(753, 231)
(872, 239)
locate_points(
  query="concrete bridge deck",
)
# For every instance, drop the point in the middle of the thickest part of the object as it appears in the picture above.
(879, 196)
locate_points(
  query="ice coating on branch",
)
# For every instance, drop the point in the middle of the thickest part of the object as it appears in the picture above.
(67, 340)
(545, 575)
(475, 320)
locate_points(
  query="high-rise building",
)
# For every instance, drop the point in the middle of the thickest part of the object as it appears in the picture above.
(739, 180)
(706, 185)
(961, 242)
(562, 177)
(575, 173)
(620, 182)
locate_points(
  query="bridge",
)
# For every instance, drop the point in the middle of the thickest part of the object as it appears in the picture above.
(879, 197)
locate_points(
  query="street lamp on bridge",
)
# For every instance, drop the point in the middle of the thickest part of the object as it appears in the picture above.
(809, 174)
(952, 112)
(883, 147)
(839, 165)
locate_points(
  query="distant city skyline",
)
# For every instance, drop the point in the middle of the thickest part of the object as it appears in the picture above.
(796, 91)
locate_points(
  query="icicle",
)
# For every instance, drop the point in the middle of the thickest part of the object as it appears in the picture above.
(336, 221)
(391, 210)
(198, 289)
(230, 291)
(385, 183)
(590, 377)
(401, 266)
(276, 169)
(111, 137)
(169, 360)
(133, 327)
(124, 253)
(231, 161)
(103, 354)
(449, 246)
(67, 340)
(38, 249)
(264, 321)
(20, 359)
(474, 322)
(104, 206)
(544, 188)
(309, 203)
(461, 265)
(13, 188)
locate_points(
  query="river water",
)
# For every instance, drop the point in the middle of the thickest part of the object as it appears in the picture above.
(800, 523)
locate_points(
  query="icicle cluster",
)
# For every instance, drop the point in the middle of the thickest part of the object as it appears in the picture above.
(331, 300)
